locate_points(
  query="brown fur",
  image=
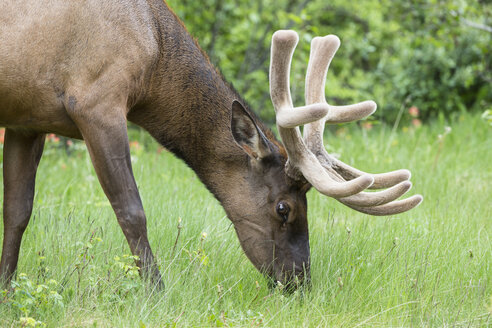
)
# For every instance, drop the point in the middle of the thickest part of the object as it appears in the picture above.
(82, 69)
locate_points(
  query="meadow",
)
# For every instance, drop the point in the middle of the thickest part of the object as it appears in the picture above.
(430, 267)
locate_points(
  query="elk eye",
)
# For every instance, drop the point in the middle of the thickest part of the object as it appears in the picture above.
(283, 210)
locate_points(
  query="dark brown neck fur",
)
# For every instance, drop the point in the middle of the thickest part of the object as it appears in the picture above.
(188, 105)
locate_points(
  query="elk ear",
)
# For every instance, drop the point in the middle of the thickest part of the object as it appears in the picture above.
(247, 134)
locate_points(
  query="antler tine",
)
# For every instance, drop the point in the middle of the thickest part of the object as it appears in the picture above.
(283, 44)
(300, 158)
(398, 206)
(381, 180)
(323, 50)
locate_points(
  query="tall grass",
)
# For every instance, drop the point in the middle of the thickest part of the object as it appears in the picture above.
(427, 267)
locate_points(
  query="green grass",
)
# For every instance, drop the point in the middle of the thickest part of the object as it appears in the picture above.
(428, 267)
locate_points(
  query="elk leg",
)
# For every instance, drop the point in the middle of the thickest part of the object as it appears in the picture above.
(21, 155)
(105, 134)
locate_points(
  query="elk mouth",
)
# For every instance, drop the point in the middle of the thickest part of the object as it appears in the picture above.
(289, 280)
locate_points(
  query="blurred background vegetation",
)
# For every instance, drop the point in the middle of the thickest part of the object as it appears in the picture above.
(427, 54)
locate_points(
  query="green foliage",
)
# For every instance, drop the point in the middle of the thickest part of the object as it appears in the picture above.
(446, 64)
(30, 299)
(431, 54)
(487, 116)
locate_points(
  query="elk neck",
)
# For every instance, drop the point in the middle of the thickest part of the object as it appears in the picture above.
(187, 108)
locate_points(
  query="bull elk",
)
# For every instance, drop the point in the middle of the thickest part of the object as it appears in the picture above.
(81, 69)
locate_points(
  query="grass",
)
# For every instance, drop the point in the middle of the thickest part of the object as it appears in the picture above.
(428, 267)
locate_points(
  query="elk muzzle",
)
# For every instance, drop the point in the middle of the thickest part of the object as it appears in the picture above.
(291, 263)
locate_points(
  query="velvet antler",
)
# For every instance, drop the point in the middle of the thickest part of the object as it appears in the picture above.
(308, 157)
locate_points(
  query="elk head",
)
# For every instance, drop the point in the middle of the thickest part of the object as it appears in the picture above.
(273, 228)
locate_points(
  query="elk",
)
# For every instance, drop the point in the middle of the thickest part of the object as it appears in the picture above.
(82, 69)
